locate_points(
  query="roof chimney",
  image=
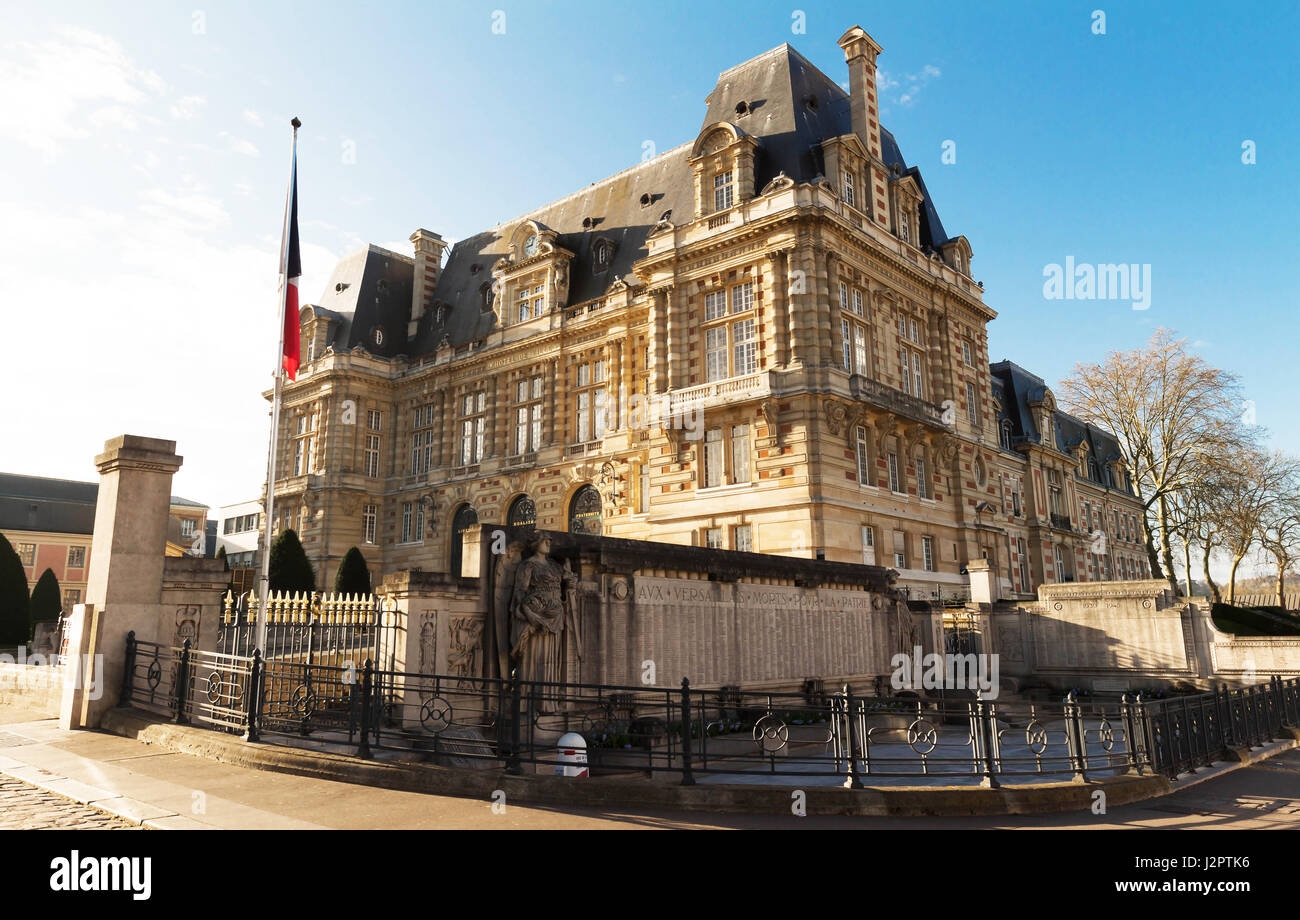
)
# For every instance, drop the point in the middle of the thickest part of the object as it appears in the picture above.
(428, 266)
(860, 51)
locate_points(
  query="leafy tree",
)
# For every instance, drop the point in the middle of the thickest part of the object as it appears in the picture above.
(291, 570)
(353, 576)
(15, 603)
(47, 599)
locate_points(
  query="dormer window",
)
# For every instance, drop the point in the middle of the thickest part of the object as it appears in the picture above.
(724, 190)
(850, 195)
(530, 301)
(905, 229)
(603, 255)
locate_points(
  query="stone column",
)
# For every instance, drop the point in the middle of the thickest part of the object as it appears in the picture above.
(124, 589)
(780, 308)
(832, 311)
(659, 341)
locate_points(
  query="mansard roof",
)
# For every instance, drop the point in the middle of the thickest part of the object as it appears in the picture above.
(790, 108)
(1018, 389)
(44, 505)
(369, 289)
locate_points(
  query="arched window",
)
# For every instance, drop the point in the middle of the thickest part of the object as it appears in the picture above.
(464, 520)
(584, 511)
(522, 513)
(1005, 433)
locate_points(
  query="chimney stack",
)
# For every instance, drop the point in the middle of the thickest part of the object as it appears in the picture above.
(860, 51)
(428, 266)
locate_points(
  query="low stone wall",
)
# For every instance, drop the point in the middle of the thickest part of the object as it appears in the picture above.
(37, 689)
(1115, 636)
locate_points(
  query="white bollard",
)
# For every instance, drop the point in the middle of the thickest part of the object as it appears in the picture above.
(571, 753)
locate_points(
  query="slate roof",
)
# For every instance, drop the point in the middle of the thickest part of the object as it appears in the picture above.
(48, 505)
(792, 108)
(1016, 389)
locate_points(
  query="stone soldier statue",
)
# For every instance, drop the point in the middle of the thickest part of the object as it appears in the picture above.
(542, 604)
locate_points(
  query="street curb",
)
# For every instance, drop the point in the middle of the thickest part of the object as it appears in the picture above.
(622, 792)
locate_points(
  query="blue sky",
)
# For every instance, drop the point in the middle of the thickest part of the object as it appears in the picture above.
(143, 156)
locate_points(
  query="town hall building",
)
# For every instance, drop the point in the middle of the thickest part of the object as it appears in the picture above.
(762, 340)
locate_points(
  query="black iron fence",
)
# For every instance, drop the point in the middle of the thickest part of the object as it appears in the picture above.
(721, 735)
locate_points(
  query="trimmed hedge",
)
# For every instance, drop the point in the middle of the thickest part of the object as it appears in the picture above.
(1253, 621)
(15, 602)
(291, 570)
(353, 575)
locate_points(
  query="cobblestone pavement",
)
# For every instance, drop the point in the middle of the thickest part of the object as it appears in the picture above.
(24, 807)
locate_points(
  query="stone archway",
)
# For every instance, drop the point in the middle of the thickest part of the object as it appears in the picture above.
(586, 511)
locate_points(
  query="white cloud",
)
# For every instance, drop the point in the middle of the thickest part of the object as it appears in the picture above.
(53, 88)
(910, 85)
(187, 107)
(240, 146)
(252, 118)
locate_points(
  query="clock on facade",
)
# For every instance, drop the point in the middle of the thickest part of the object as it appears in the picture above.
(530, 245)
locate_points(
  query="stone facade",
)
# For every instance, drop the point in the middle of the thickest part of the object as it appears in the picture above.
(737, 344)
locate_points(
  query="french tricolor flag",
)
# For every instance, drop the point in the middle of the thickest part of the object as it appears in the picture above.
(291, 268)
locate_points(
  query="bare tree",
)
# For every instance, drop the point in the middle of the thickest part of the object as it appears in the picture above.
(1280, 530)
(1241, 495)
(1172, 412)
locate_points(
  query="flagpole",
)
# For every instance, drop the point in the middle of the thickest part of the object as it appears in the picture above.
(264, 582)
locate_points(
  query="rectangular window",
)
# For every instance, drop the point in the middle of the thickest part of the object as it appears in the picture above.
(744, 347)
(927, 553)
(713, 538)
(715, 353)
(643, 490)
(910, 362)
(76, 557)
(1060, 564)
(972, 404)
(598, 425)
(723, 191)
(868, 545)
(844, 296)
(372, 455)
(1024, 565)
(742, 297)
(857, 302)
(740, 453)
(373, 419)
(922, 479)
(715, 305)
(369, 518)
(71, 597)
(742, 538)
(966, 355)
(894, 485)
(406, 522)
(584, 417)
(713, 458)
(846, 336)
(860, 350)
(864, 470)
(900, 550)
(849, 197)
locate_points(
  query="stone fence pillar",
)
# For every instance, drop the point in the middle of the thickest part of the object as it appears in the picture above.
(124, 584)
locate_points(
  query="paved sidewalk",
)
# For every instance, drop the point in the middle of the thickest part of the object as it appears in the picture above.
(159, 789)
